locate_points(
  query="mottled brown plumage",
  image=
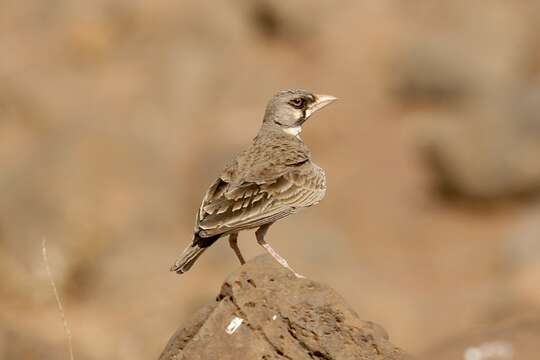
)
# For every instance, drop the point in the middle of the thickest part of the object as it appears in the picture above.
(262, 186)
(273, 178)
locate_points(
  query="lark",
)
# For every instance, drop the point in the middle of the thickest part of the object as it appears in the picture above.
(273, 178)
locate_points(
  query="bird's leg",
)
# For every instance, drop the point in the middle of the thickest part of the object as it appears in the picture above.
(259, 234)
(233, 242)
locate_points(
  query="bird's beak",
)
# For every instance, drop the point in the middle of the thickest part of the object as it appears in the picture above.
(320, 102)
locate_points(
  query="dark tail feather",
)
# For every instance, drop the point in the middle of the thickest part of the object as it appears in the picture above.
(192, 253)
(188, 258)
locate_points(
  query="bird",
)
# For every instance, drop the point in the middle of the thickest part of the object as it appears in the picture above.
(271, 179)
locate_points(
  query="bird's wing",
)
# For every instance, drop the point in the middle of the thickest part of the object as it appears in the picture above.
(230, 207)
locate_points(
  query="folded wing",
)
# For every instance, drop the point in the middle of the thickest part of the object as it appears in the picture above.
(231, 206)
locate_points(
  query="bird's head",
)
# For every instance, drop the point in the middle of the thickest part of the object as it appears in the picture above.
(289, 109)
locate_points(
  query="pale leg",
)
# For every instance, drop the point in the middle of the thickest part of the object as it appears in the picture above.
(233, 242)
(259, 234)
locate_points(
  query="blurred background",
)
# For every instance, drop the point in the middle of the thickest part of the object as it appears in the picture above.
(116, 115)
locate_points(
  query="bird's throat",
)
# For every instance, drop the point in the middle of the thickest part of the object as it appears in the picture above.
(293, 131)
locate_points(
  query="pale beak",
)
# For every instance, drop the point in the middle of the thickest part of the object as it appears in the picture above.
(320, 102)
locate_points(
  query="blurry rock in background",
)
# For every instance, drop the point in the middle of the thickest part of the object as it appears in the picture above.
(478, 110)
(295, 21)
(516, 339)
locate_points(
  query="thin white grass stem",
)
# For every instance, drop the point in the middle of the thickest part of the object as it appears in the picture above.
(58, 301)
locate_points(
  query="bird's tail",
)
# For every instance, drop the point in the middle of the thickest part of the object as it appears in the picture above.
(192, 253)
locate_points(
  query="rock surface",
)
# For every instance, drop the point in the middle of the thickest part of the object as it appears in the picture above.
(264, 312)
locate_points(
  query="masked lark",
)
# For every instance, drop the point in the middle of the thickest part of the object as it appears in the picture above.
(273, 178)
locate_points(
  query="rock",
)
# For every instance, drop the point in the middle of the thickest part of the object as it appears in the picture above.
(477, 112)
(514, 339)
(297, 21)
(264, 312)
(485, 155)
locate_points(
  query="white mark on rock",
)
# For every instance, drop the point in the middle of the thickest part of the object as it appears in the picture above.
(489, 350)
(234, 325)
(274, 317)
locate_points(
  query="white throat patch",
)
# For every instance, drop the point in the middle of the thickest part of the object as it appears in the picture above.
(293, 131)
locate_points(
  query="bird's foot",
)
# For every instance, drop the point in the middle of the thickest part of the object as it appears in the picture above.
(281, 260)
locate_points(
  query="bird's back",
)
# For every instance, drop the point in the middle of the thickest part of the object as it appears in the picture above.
(270, 155)
(271, 179)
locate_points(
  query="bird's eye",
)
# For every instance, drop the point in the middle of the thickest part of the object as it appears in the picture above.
(297, 103)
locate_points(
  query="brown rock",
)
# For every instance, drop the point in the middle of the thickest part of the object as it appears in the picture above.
(279, 317)
(297, 21)
(514, 339)
(477, 112)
